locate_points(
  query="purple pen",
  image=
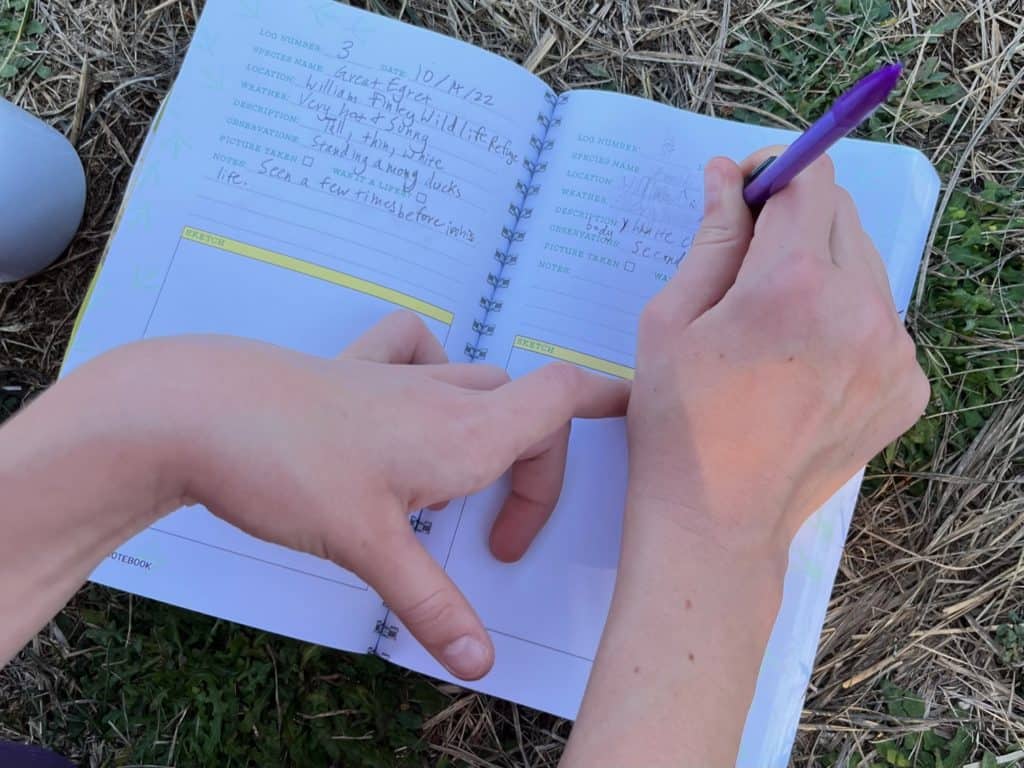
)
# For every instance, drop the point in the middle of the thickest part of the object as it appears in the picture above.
(847, 113)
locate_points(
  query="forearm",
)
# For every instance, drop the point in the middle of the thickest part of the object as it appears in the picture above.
(81, 470)
(679, 658)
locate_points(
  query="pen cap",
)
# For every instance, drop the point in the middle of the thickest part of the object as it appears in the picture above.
(42, 193)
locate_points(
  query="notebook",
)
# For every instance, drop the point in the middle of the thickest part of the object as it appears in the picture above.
(316, 167)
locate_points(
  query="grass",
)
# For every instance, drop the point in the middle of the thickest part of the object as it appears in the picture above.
(286, 702)
(920, 659)
(18, 46)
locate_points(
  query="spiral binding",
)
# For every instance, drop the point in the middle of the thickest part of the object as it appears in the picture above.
(490, 302)
(384, 631)
(420, 526)
(510, 233)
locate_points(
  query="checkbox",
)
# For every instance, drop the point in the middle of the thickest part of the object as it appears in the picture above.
(307, 161)
(629, 266)
(421, 198)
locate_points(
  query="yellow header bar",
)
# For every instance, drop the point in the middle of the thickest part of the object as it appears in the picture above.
(320, 273)
(572, 356)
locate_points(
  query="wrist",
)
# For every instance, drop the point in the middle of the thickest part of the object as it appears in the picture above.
(123, 407)
(689, 621)
(689, 553)
(82, 469)
(737, 531)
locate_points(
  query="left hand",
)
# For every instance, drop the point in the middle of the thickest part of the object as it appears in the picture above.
(331, 456)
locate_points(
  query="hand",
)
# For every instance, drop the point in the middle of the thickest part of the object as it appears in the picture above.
(772, 367)
(331, 456)
(769, 370)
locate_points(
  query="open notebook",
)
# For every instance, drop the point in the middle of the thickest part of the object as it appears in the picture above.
(315, 167)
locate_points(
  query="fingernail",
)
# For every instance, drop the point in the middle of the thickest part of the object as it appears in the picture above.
(466, 657)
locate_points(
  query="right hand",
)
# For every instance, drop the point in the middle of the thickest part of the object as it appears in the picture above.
(772, 366)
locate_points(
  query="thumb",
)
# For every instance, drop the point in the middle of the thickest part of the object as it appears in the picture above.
(418, 591)
(710, 267)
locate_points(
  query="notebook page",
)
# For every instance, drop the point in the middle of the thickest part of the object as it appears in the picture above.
(620, 202)
(315, 168)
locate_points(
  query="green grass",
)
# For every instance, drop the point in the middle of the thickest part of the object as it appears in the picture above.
(18, 46)
(156, 685)
(846, 40)
(967, 303)
(930, 748)
(1010, 641)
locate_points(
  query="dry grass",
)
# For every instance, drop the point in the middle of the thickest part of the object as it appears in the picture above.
(935, 560)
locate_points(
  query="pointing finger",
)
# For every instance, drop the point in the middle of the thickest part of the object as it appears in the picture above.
(530, 409)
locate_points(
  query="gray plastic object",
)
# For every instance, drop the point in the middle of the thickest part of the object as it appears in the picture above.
(42, 193)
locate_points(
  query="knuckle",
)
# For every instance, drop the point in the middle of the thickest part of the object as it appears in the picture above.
(877, 312)
(818, 180)
(718, 234)
(825, 168)
(920, 391)
(844, 202)
(564, 375)
(472, 439)
(885, 322)
(562, 381)
(470, 427)
(409, 322)
(802, 282)
(371, 544)
(794, 300)
(429, 613)
(873, 329)
(908, 347)
(725, 169)
(807, 265)
(657, 318)
(719, 162)
(918, 388)
(500, 375)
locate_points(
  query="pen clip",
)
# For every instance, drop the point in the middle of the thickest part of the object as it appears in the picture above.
(759, 169)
